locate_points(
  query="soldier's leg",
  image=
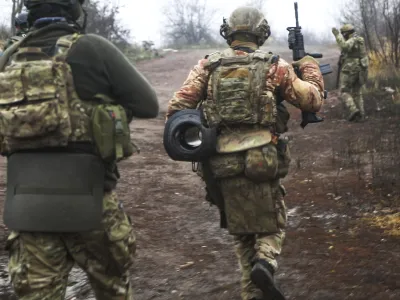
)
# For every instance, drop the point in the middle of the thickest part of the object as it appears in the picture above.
(245, 252)
(106, 255)
(346, 95)
(268, 247)
(39, 265)
(359, 100)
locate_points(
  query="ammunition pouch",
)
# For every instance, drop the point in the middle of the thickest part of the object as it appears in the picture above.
(54, 192)
(261, 164)
(111, 132)
(227, 165)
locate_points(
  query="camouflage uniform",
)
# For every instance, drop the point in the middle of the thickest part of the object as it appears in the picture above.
(254, 210)
(353, 71)
(41, 261)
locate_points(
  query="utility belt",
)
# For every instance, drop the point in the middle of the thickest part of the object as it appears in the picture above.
(250, 150)
(261, 164)
(54, 192)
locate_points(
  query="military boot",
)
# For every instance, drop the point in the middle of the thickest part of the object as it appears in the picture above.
(354, 116)
(262, 275)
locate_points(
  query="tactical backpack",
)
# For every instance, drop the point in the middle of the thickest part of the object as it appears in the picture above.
(54, 191)
(237, 93)
(39, 106)
(246, 112)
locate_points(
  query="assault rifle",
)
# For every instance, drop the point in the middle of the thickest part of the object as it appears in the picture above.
(339, 70)
(296, 44)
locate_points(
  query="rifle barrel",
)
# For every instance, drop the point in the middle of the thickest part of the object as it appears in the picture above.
(296, 14)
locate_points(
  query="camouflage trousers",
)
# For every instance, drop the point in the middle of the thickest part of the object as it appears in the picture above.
(266, 245)
(251, 247)
(40, 262)
(351, 92)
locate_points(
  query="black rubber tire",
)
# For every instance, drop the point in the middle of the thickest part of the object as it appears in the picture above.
(174, 144)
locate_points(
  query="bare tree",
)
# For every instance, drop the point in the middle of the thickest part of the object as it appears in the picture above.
(102, 19)
(188, 22)
(391, 15)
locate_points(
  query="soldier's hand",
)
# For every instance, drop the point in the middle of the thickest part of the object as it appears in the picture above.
(335, 31)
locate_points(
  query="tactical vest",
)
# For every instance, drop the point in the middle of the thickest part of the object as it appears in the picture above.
(358, 51)
(39, 106)
(237, 92)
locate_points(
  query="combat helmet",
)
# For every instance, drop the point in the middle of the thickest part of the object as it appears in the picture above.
(248, 20)
(21, 21)
(347, 28)
(74, 7)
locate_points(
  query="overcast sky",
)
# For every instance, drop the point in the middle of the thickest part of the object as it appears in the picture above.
(318, 15)
(145, 19)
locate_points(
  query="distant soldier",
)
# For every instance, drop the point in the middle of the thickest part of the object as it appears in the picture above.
(353, 68)
(21, 24)
(21, 28)
(240, 90)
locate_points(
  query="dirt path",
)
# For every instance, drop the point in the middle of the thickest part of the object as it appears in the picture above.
(330, 251)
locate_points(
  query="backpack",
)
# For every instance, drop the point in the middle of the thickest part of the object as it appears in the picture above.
(39, 106)
(236, 89)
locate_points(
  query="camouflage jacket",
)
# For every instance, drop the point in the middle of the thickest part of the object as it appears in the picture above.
(353, 52)
(306, 94)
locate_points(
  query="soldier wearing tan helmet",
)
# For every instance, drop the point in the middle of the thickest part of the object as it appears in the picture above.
(353, 68)
(240, 92)
(64, 118)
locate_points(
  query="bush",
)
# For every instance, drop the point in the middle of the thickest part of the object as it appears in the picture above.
(136, 53)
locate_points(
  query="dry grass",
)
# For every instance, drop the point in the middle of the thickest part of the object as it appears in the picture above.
(385, 76)
(389, 223)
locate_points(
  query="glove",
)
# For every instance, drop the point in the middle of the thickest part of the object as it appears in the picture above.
(335, 31)
(305, 59)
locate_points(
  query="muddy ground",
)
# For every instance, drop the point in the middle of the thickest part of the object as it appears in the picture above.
(331, 250)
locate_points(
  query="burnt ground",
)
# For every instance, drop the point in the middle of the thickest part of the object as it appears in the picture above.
(331, 252)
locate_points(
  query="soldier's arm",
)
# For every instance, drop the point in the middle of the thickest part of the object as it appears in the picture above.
(100, 67)
(191, 92)
(343, 44)
(306, 93)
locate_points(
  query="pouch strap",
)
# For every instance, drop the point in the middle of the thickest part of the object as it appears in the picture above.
(119, 134)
